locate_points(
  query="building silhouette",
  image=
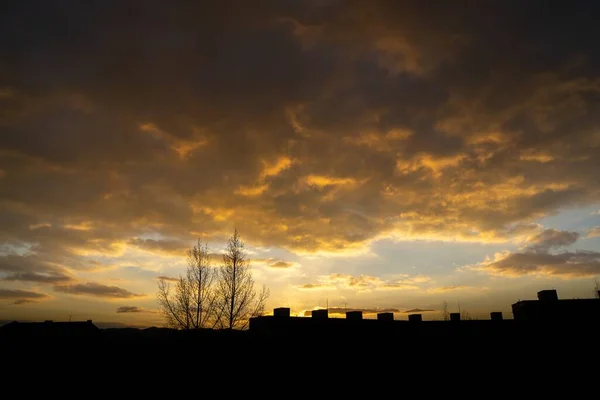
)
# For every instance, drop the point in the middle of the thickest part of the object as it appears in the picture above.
(563, 320)
(50, 330)
(546, 316)
(548, 307)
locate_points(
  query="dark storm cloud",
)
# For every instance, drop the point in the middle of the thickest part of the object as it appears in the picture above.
(306, 125)
(95, 289)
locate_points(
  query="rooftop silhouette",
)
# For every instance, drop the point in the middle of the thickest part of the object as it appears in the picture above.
(548, 316)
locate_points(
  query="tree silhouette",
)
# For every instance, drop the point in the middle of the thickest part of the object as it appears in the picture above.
(237, 297)
(192, 304)
(445, 313)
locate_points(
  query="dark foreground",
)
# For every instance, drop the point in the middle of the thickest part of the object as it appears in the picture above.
(424, 360)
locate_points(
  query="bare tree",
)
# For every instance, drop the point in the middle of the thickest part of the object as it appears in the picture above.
(466, 316)
(445, 313)
(193, 303)
(238, 299)
(596, 288)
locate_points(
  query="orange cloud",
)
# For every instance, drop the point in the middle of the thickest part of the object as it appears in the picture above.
(594, 232)
(273, 169)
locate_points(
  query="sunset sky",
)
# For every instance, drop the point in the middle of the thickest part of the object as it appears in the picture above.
(372, 154)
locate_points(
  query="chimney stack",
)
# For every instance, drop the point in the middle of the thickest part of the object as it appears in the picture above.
(282, 312)
(547, 295)
(496, 316)
(354, 315)
(415, 317)
(320, 314)
(385, 316)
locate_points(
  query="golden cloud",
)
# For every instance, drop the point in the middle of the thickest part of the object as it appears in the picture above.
(593, 232)
(365, 283)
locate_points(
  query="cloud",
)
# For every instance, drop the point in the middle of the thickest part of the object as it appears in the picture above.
(281, 264)
(129, 309)
(418, 310)
(23, 301)
(551, 238)
(313, 286)
(364, 283)
(537, 259)
(21, 296)
(31, 268)
(452, 288)
(167, 278)
(168, 247)
(133, 309)
(578, 264)
(460, 163)
(274, 262)
(95, 289)
(37, 277)
(593, 232)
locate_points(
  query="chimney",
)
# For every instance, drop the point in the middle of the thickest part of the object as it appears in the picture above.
(385, 316)
(354, 315)
(320, 314)
(455, 316)
(598, 293)
(415, 317)
(89, 321)
(282, 312)
(547, 295)
(496, 316)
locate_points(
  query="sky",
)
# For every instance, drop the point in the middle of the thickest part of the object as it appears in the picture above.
(374, 155)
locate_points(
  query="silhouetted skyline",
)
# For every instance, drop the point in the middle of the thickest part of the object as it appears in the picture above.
(374, 155)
